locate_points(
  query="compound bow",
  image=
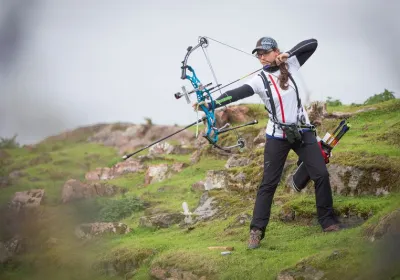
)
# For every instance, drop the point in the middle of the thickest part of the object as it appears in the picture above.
(205, 101)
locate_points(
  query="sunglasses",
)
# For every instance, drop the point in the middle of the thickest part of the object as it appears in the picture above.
(259, 54)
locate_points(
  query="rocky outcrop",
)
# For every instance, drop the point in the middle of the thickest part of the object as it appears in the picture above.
(131, 137)
(206, 209)
(88, 231)
(165, 148)
(388, 225)
(237, 161)
(121, 168)
(216, 179)
(11, 248)
(27, 199)
(161, 172)
(123, 262)
(316, 112)
(161, 220)
(75, 190)
(260, 139)
(353, 181)
(233, 114)
(304, 272)
(160, 273)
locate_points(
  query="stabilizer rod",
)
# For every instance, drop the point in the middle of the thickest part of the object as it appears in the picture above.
(162, 139)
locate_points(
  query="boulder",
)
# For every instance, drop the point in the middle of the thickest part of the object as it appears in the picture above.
(121, 168)
(75, 190)
(171, 273)
(161, 172)
(163, 148)
(216, 179)
(233, 114)
(388, 225)
(163, 220)
(87, 231)
(316, 112)
(207, 208)
(353, 181)
(236, 161)
(27, 199)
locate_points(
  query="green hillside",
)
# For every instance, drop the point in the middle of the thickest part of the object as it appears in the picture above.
(298, 246)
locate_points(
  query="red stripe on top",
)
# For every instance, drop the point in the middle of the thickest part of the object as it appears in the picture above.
(280, 100)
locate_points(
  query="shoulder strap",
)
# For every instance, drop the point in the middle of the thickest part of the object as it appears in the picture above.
(269, 94)
(297, 91)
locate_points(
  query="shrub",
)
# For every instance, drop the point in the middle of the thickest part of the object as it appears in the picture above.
(381, 97)
(333, 103)
(9, 143)
(116, 209)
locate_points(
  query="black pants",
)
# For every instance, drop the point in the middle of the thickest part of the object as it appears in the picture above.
(275, 155)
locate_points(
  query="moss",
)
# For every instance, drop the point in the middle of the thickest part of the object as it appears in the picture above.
(203, 263)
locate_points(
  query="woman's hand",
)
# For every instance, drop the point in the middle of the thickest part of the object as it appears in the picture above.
(196, 106)
(281, 58)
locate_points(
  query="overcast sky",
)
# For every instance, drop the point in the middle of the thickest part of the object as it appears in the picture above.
(69, 63)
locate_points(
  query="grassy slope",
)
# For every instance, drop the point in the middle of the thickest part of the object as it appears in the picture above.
(367, 143)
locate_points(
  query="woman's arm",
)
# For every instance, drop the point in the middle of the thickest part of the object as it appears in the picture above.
(234, 95)
(303, 50)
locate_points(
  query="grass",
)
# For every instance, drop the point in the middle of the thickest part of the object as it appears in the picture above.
(371, 143)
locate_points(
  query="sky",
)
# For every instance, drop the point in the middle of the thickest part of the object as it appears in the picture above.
(71, 63)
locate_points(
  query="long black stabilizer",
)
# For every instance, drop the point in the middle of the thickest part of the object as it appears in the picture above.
(162, 139)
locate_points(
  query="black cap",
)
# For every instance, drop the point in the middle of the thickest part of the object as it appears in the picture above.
(266, 44)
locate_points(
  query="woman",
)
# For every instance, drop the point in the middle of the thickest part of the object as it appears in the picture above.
(288, 128)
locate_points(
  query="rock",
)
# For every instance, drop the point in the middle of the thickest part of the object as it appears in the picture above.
(366, 110)
(87, 231)
(42, 159)
(123, 262)
(121, 168)
(353, 181)
(178, 167)
(206, 208)
(75, 190)
(163, 148)
(260, 138)
(235, 161)
(15, 245)
(287, 215)
(304, 272)
(27, 199)
(195, 157)
(160, 172)
(12, 247)
(240, 221)
(233, 114)
(5, 256)
(130, 137)
(216, 179)
(167, 273)
(16, 174)
(156, 173)
(316, 112)
(163, 220)
(5, 181)
(199, 186)
(240, 177)
(388, 225)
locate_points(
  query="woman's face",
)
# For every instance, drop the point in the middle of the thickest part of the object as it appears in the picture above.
(267, 57)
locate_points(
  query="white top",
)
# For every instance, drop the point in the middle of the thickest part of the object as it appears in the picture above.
(285, 100)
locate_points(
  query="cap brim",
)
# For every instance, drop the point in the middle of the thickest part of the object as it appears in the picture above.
(256, 49)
